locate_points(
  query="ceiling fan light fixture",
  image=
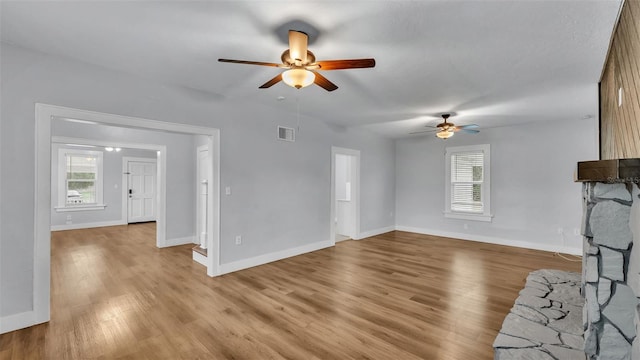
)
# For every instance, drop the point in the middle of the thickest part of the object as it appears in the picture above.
(298, 78)
(444, 134)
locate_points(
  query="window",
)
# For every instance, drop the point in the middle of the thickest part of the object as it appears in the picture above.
(79, 180)
(468, 183)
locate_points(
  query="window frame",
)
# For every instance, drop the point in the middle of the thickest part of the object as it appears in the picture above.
(63, 206)
(486, 214)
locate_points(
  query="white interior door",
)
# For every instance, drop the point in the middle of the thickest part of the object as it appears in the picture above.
(141, 191)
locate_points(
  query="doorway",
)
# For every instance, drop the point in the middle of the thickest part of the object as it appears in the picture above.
(345, 194)
(141, 190)
(44, 115)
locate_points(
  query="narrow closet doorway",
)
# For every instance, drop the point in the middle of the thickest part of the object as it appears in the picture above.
(345, 200)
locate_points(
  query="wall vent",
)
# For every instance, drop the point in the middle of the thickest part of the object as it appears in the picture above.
(286, 134)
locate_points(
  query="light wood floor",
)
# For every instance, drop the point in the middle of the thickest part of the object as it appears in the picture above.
(393, 296)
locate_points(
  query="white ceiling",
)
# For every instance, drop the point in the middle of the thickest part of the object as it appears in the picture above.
(492, 63)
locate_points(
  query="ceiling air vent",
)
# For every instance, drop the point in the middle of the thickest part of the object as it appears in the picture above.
(286, 134)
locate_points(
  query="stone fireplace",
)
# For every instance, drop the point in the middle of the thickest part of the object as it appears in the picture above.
(611, 260)
(545, 322)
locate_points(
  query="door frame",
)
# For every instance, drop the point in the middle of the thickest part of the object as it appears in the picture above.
(125, 180)
(355, 190)
(44, 115)
(198, 197)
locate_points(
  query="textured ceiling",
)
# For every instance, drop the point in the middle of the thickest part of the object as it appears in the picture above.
(492, 63)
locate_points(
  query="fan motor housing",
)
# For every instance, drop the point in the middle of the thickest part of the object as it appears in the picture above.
(287, 60)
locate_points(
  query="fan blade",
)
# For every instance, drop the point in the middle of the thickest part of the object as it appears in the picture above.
(271, 82)
(298, 42)
(324, 83)
(467, 128)
(345, 64)
(250, 62)
(464, 129)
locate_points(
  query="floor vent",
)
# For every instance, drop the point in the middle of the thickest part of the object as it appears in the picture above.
(286, 134)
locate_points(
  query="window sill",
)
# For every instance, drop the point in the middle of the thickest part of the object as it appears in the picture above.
(80, 208)
(468, 216)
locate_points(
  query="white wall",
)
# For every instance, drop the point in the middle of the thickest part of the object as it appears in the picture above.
(532, 188)
(343, 176)
(280, 190)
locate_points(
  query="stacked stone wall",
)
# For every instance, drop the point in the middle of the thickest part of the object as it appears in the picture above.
(611, 270)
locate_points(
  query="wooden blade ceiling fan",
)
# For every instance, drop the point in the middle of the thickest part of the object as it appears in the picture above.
(302, 65)
(445, 129)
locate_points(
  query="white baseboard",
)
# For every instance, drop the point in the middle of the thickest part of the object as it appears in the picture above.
(199, 258)
(493, 240)
(374, 232)
(17, 321)
(87, 225)
(180, 241)
(274, 256)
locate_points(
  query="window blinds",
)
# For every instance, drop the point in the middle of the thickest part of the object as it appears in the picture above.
(466, 181)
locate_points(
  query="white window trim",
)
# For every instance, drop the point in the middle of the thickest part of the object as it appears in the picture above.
(486, 215)
(62, 189)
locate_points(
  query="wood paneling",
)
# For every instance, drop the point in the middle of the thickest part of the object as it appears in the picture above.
(620, 125)
(394, 296)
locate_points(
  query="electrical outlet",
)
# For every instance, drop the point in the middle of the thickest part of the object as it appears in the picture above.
(466, 226)
(576, 231)
(560, 231)
(238, 240)
(227, 190)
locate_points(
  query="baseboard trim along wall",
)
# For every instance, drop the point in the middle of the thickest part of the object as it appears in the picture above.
(180, 241)
(17, 321)
(493, 240)
(87, 225)
(274, 256)
(370, 233)
(199, 258)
